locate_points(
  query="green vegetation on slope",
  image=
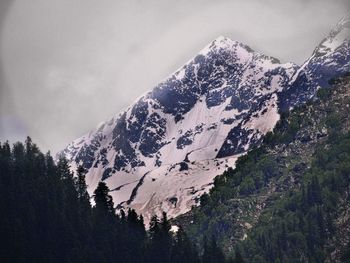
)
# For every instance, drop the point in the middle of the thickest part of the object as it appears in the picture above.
(284, 200)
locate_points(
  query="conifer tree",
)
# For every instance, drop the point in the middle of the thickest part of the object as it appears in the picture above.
(81, 184)
(238, 257)
(165, 238)
(103, 200)
(182, 251)
(212, 253)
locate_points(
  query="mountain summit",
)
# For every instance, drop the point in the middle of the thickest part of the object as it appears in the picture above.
(163, 152)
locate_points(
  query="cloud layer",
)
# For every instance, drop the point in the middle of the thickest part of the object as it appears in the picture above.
(68, 65)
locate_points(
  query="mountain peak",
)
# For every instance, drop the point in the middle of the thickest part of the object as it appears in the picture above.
(223, 40)
(204, 115)
(223, 43)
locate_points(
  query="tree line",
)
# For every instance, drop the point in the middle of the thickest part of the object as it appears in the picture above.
(46, 216)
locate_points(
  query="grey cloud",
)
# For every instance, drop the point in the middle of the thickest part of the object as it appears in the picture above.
(69, 65)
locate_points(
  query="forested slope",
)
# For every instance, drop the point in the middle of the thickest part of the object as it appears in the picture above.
(287, 201)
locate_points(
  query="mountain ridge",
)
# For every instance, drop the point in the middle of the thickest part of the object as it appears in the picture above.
(169, 145)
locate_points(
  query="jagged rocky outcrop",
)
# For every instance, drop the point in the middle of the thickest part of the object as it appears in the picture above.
(331, 59)
(164, 151)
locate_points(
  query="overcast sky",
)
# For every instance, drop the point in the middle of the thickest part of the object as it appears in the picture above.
(67, 65)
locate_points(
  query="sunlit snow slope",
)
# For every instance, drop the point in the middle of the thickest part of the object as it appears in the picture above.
(164, 151)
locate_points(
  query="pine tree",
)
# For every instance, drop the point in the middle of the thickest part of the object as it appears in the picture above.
(63, 168)
(165, 238)
(81, 184)
(212, 253)
(153, 227)
(238, 257)
(207, 254)
(182, 251)
(152, 244)
(160, 243)
(103, 200)
(135, 234)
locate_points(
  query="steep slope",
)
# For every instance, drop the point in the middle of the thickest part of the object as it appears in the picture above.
(163, 152)
(330, 59)
(287, 201)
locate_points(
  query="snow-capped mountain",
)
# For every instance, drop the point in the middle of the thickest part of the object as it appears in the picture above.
(163, 152)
